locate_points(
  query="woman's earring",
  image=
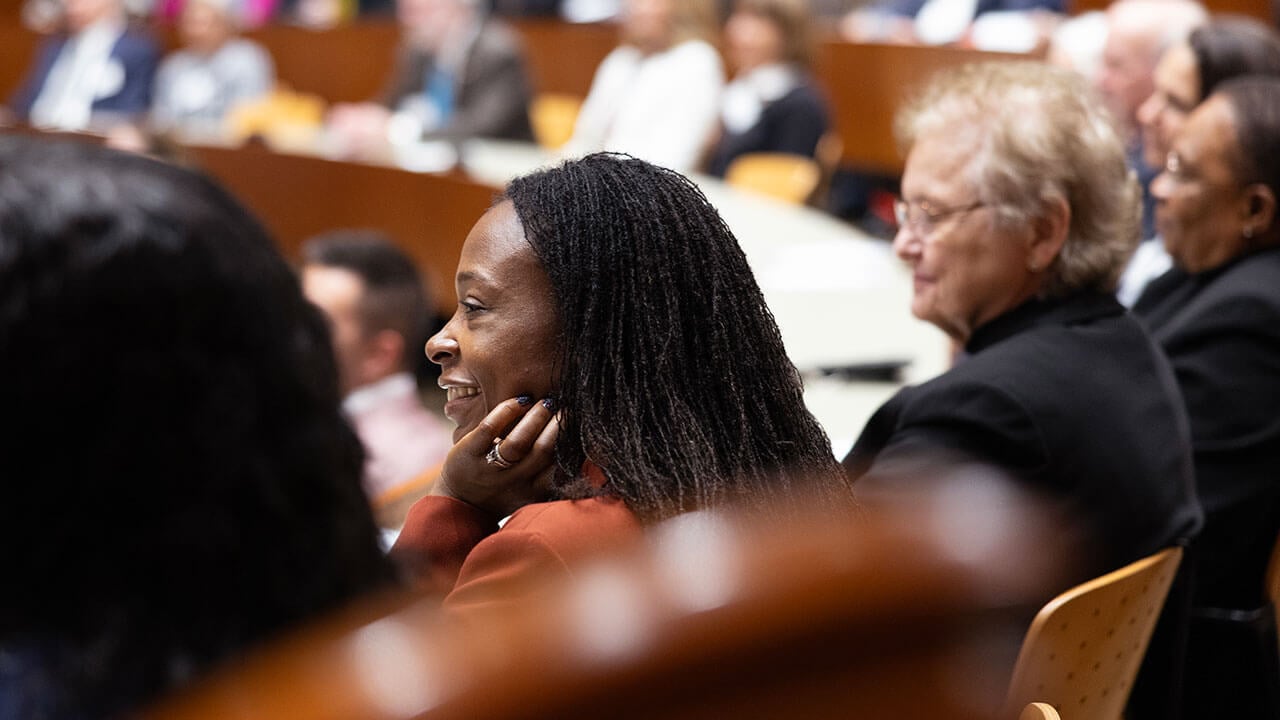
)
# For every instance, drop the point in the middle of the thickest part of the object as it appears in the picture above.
(1248, 232)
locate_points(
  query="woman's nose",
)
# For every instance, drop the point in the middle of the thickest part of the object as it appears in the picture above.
(1148, 110)
(905, 243)
(1160, 186)
(442, 347)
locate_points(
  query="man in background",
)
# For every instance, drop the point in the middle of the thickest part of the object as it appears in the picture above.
(379, 317)
(98, 74)
(459, 75)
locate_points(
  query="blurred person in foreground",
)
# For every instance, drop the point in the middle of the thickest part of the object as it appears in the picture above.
(611, 364)
(773, 103)
(214, 72)
(1217, 212)
(96, 74)
(459, 75)
(1225, 47)
(378, 314)
(181, 485)
(657, 95)
(1017, 214)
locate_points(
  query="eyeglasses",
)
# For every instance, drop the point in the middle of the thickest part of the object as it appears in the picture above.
(924, 217)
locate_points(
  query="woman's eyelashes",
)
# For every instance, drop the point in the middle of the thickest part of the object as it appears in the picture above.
(470, 307)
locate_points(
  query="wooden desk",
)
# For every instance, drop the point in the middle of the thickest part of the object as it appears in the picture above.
(297, 197)
(17, 53)
(354, 62)
(866, 83)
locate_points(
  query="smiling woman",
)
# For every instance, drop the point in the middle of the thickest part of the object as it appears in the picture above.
(611, 364)
(1217, 315)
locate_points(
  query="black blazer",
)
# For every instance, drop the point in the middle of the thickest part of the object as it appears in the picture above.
(1070, 397)
(794, 123)
(1221, 331)
(493, 95)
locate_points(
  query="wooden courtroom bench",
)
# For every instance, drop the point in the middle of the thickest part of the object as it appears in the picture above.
(354, 62)
(867, 82)
(297, 197)
(912, 612)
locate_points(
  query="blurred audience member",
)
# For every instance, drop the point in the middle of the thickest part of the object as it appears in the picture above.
(940, 22)
(1138, 32)
(214, 72)
(379, 316)
(1187, 73)
(248, 13)
(1220, 325)
(459, 75)
(189, 487)
(772, 104)
(322, 14)
(42, 16)
(1077, 44)
(657, 95)
(1018, 213)
(524, 8)
(99, 73)
(588, 11)
(611, 364)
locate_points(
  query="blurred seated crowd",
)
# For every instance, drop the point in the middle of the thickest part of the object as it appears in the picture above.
(692, 85)
(1095, 228)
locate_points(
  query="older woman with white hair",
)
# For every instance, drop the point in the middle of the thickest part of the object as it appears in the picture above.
(1017, 215)
(213, 72)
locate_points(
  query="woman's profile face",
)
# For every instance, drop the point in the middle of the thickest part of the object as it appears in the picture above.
(502, 340)
(1200, 203)
(649, 23)
(1177, 90)
(966, 270)
(752, 40)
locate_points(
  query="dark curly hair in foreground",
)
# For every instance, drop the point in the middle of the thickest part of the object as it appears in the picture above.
(672, 373)
(179, 482)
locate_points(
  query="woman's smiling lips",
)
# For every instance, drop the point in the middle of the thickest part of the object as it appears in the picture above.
(456, 397)
(920, 281)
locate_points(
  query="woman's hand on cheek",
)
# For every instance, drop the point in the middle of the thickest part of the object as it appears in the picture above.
(528, 448)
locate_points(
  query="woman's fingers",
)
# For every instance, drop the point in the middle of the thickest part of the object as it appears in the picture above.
(520, 442)
(520, 470)
(501, 417)
(527, 424)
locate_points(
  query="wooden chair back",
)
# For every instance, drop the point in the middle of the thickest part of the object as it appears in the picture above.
(1083, 650)
(553, 116)
(1039, 711)
(888, 615)
(790, 178)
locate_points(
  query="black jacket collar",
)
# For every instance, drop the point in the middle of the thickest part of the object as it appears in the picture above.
(1079, 307)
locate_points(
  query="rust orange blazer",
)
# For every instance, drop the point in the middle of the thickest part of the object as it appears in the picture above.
(450, 546)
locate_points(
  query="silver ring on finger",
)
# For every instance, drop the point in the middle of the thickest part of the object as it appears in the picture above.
(495, 457)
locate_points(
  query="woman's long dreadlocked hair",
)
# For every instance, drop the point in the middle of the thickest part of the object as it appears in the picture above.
(672, 373)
